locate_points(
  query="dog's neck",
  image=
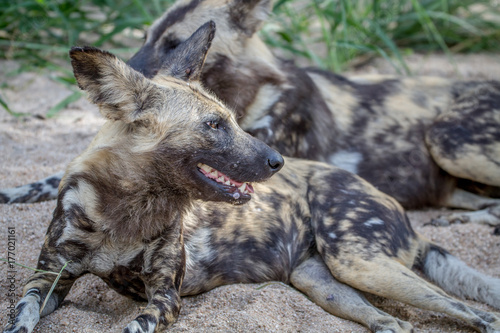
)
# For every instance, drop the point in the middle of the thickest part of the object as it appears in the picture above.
(122, 198)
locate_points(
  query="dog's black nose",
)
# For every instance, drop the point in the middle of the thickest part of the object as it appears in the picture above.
(276, 162)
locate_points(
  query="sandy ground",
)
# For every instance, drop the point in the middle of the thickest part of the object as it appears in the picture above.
(33, 148)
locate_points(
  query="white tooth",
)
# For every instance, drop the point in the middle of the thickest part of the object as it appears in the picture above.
(243, 187)
(205, 167)
(228, 182)
(215, 174)
(220, 179)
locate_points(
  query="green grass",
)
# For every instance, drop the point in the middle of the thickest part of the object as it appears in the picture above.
(37, 30)
(331, 34)
(354, 30)
(39, 33)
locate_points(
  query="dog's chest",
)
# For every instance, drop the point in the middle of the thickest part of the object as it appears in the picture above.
(111, 256)
(122, 268)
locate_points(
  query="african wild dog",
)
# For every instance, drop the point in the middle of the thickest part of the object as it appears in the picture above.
(320, 228)
(122, 201)
(416, 139)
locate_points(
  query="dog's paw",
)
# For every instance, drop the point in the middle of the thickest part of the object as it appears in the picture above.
(392, 326)
(439, 222)
(489, 216)
(27, 315)
(16, 329)
(140, 325)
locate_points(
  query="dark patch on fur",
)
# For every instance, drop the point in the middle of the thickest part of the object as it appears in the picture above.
(83, 68)
(143, 321)
(411, 176)
(35, 189)
(162, 307)
(174, 16)
(53, 181)
(137, 263)
(374, 94)
(470, 121)
(126, 283)
(181, 270)
(380, 326)
(480, 324)
(20, 306)
(79, 219)
(149, 59)
(219, 77)
(4, 198)
(145, 61)
(74, 249)
(420, 100)
(335, 79)
(487, 317)
(395, 232)
(478, 188)
(438, 249)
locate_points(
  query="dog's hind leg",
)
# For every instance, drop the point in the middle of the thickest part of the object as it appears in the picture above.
(465, 140)
(313, 278)
(388, 278)
(484, 210)
(366, 241)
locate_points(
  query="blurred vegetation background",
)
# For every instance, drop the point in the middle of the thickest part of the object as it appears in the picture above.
(332, 34)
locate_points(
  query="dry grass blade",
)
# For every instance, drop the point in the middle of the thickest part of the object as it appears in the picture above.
(53, 286)
(42, 271)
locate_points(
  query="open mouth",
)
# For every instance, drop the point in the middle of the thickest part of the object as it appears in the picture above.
(237, 189)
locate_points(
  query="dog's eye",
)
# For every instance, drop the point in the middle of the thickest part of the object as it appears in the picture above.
(213, 124)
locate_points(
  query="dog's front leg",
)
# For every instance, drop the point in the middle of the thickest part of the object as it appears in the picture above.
(164, 267)
(36, 290)
(162, 311)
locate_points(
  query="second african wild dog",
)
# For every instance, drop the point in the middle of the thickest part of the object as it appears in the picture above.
(320, 228)
(415, 139)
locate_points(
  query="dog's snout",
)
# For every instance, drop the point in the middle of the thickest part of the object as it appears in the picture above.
(275, 162)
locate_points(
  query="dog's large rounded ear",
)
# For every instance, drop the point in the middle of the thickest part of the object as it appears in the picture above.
(119, 91)
(186, 61)
(248, 15)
